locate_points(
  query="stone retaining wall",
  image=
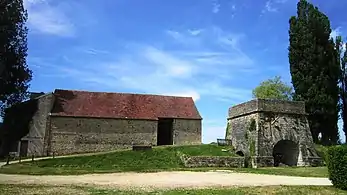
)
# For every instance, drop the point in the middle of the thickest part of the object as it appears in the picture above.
(262, 161)
(213, 161)
(314, 161)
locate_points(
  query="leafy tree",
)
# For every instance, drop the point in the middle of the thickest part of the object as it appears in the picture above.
(343, 91)
(14, 72)
(315, 70)
(273, 89)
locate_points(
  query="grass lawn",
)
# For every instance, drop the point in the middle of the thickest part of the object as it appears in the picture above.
(67, 190)
(290, 171)
(159, 159)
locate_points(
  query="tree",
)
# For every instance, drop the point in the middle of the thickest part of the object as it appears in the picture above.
(315, 70)
(14, 72)
(343, 80)
(273, 89)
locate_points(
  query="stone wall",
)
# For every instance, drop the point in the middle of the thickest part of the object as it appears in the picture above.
(277, 127)
(186, 132)
(213, 161)
(262, 161)
(81, 135)
(278, 124)
(38, 126)
(265, 105)
(242, 134)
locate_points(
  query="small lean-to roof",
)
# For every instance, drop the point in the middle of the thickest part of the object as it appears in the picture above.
(122, 105)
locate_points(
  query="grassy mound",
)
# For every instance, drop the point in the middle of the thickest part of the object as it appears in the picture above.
(160, 158)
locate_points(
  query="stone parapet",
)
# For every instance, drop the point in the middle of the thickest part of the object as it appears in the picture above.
(314, 161)
(213, 161)
(267, 105)
(262, 161)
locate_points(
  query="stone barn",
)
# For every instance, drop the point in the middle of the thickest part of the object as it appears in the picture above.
(67, 122)
(271, 133)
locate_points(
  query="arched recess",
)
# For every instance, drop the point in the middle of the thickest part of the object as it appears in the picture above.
(286, 152)
(240, 153)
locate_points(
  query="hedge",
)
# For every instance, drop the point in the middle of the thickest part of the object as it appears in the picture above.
(337, 166)
(321, 152)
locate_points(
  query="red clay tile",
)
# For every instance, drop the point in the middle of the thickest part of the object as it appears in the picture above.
(122, 105)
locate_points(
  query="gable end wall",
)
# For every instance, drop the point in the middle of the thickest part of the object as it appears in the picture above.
(38, 126)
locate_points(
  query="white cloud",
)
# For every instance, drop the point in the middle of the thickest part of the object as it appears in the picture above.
(335, 32)
(185, 37)
(176, 35)
(198, 72)
(195, 32)
(195, 95)
(167, 64)
(269, 7)
(46, 19)
(216, 6)
(233, 7)
(94, 51)
(281, 1)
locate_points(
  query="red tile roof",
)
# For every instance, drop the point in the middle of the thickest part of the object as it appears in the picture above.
(122, 105)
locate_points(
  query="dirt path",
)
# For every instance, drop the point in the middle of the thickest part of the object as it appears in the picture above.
(165, 180)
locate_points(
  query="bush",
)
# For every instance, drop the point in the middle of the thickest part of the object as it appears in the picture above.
(337, 166)
(321, 152)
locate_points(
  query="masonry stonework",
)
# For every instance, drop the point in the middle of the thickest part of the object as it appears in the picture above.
(68, 122)
(213, 161)
(81, 135)
(187, 132)
(38, 127)
(272, 131)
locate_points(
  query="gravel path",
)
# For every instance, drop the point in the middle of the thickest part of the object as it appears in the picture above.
(166, 180)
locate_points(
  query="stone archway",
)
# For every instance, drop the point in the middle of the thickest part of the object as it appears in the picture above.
(286, 152)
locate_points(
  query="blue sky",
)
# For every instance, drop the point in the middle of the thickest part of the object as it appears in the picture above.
(216, 51)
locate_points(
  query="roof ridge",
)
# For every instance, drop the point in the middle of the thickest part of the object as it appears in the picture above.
(125, 93)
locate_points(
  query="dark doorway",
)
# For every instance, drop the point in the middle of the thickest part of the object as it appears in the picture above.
(164, 132)
(23, 148)
(240, 153)
(286, 152)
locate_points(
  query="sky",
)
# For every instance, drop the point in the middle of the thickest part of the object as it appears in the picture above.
(215, 51)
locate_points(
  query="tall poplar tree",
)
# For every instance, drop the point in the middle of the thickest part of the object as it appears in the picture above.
(314, 69)
(14, 72)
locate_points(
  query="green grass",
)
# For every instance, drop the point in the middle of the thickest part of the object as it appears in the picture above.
(290, 171)
(321, 151)
(159, 159)
(269, 190)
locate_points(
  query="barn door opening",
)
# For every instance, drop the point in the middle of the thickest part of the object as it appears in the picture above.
(164, 132)
(23, 148)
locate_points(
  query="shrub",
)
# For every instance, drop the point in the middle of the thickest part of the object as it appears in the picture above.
(321, 151)
(337, 166)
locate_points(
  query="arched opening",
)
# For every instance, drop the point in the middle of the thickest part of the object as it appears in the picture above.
(240, 153)
(286, 152)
